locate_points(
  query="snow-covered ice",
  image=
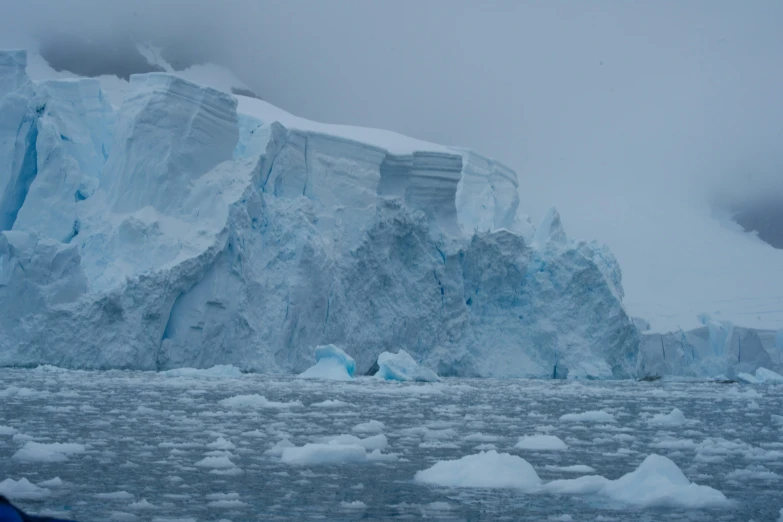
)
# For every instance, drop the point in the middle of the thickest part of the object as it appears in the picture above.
(657, 482)
(672, 419)
(488, 469)
(52, 452)
(22, 489)
(588, 416)
(541, 443)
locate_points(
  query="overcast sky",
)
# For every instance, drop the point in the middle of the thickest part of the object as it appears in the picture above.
(589, 102)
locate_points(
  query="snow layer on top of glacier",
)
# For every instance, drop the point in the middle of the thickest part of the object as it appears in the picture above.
(389, 141)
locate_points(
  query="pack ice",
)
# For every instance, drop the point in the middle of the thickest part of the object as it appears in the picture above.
(191, 228)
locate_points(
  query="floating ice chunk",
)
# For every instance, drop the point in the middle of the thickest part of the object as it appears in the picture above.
(541, 443)
(277, 449)
(481, 437)
(331, 363)
(765, 376)
(588, 416)
(257, 401)
(402, 367)
(370, 443)
(221, 444)
(324, 454)
(222, 462)
(22, 489)
(356, 504)
(372, 426)
(673, 419)
(218, 371)
(430, 434)
(747, 378)
(227, 504)
(337, 450)
(7, 430)
(142, 504)
(483, 470)
(752, 473)
(55, 452)
(254, 433)
(56, 482)
(330, 403)
(115, 495)
(659, 482)
(23, 393)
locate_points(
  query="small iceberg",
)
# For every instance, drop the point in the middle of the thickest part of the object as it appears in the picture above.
(402, 367)
(763, 376)
(483, 470)
(331, 363)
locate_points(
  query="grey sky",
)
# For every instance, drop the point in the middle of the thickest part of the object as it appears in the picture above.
(588, 101)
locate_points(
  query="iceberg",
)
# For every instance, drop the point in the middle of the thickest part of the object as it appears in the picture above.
(331, 364)
(716, 350)
(191, 228)
(762, 376)
(400, 366)
(488, 469)
(657, 482)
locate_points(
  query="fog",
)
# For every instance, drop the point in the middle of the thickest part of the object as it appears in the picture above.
(592, 103)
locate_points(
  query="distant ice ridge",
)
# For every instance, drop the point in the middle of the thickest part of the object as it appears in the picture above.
(716, 350)
(177, 232)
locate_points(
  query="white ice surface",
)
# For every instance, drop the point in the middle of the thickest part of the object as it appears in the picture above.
(488, 469)
(22, 489)
(668, 420)
(541, 443)
(332, 363)
(401, 366)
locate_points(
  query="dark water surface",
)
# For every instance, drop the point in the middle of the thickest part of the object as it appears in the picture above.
(143, 434)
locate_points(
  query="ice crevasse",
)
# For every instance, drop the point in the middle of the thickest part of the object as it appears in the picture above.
(190, 227)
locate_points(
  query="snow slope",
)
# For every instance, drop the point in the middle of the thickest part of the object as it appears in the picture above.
(175, 231)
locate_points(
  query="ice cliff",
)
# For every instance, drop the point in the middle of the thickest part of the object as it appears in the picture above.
(719, 349)
(190, 227)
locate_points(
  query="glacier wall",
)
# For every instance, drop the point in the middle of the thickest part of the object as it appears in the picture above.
(176, 232)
